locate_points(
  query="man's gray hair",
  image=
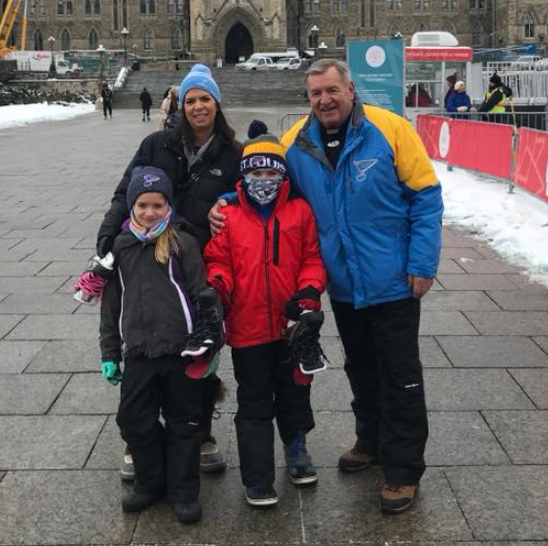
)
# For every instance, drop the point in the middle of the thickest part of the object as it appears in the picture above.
(323, 65)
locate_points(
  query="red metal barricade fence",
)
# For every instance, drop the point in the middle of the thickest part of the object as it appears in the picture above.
(479, 146)
(531, 170)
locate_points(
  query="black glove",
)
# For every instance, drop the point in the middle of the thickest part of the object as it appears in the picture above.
(104, 245)
(307, 298)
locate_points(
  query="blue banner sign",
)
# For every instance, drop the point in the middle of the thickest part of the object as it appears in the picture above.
(377, 71)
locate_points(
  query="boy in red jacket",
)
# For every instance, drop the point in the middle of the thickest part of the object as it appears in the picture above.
(267, 267)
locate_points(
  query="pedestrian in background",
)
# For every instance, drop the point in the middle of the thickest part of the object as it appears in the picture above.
(106, 95)
(169, 109)
(146, 103)
(459, 101)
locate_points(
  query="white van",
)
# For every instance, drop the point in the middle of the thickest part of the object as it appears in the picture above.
(256, 62)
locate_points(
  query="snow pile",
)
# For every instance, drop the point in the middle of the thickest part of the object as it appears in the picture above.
(22, 114)
(515, 225)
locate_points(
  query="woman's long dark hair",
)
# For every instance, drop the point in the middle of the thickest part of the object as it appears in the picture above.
(222, 129)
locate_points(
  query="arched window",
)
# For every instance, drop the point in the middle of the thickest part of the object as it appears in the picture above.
(151, 6)
(316, 5)
(393, 31)
(38, 41)
(60, 7)
(69, 7)
(41, 7)
(335, 6)
(65, 40)
(179, 6)
(171, 6)
(177, 39)
(115, 22)
(97, 7)
(148, 39)
(529, 26)
(87, 7)
(450, 27)
(143, 6)
(93, 39)
(340, 39)
(477, 35)
(313, 39)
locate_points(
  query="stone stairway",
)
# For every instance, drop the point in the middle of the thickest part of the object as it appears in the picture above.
(237, 87)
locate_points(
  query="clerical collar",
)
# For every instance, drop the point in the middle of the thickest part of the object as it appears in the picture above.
(334, 137)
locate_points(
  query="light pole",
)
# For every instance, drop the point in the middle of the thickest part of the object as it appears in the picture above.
(101, 51)
(52, 68)
(134, 47)
(321, 50)
(125, 32)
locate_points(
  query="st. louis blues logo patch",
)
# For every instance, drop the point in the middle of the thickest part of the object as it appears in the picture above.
(362, 166)
(149, 179)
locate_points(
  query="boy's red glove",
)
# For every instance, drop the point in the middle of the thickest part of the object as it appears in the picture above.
(308, 298)
(299, 378)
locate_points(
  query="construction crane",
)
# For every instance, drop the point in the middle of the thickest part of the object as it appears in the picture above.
(7, 23)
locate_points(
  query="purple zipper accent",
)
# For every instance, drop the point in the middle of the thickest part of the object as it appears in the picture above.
(176, 278)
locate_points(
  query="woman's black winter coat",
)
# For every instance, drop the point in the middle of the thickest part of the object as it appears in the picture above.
(195, 189)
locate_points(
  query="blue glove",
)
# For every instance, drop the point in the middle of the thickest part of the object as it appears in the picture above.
(111, 372)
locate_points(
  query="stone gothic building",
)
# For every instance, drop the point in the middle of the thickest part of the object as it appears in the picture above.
(228, 29)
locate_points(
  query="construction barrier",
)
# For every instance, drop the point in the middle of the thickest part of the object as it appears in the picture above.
(531, 170)
(475, 145)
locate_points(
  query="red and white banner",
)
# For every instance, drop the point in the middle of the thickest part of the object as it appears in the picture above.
(439, 54)
(531, 170)
(430, 130)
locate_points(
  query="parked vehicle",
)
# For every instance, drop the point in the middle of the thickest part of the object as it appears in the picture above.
(536, 60)
(288, 63)
(256, 62)
(38, 61)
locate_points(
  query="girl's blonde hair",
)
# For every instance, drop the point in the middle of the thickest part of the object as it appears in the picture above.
(167, 243)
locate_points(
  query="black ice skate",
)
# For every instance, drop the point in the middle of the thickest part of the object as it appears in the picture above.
(208, 332)
(303, 338)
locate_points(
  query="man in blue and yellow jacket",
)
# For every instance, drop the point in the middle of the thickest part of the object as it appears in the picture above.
(378, 209)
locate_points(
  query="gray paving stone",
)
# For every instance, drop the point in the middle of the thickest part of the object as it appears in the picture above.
(523, 434)
(227, 519)
(487, 252)
(450, 266)
(56, 269)
(31, 285)
(522, 282)
(66, 356)
(461, 438)
(503, 503)
(8, 323)
(458, 240)
(15, 356)
(467, 389)
(484, 266)
(21, 269)
(56, 327)
(63, 255)
(520, 301)
(535, 383)
(38, 304)
(458, 300)
(492, 352)
(47, 442)
(439, 323)
(431, 354)
(457, 253)
(29, 394)
(63, 508)
(54, 244)
(331, 391)
(87, 393)
(14, 255)
(509, 323)
(107, 452)
(542, 342)
(476, 282)
(346, 506)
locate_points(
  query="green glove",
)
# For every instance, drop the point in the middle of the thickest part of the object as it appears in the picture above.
(111, 372)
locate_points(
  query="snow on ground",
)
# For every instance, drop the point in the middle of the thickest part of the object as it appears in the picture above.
(515, 225)
(22, 114)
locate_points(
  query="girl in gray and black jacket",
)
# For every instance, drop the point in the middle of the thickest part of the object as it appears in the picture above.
(148, 312)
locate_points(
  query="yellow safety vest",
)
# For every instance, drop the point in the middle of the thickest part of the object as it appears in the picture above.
(500, 107)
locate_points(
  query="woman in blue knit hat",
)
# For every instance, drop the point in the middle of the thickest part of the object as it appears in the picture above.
(201, 158)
